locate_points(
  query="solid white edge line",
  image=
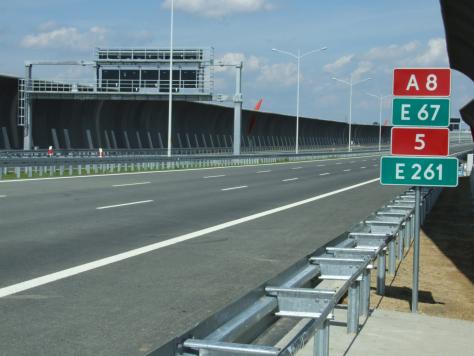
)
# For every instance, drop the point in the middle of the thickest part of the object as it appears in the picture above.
(289, 179)
(182, 170)
(52, 277)
(124, 204)
(129, 184)
(234, 188)
(217, 176)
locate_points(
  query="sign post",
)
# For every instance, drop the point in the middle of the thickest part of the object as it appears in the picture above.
(420, 142)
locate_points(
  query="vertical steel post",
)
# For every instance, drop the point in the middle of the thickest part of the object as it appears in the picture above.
(28, 124)
(416, 253)
(353, 308)
(170, 92)
(365, 293)
(321, 340)
(381, 273)
(392, 259)
(237, 109)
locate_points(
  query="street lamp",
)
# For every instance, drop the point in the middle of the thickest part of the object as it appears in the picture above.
(351, 83)
(298, 57)
(380, 98)
(170, 96)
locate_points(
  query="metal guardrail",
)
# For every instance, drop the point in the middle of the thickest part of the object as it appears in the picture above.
(302, 291)
(43, 166)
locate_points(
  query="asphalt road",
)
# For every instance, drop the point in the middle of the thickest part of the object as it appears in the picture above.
(134, 305)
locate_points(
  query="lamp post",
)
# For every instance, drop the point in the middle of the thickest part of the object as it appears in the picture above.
(351, 83)
(170, 96)
(380, 98)
(298, 58)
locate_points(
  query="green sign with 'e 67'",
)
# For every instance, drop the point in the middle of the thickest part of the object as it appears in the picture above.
(420, 112)
(419, 171)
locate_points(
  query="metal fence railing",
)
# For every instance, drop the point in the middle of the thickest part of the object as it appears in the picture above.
(302, 291)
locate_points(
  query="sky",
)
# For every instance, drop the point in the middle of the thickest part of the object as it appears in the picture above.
(364, 38)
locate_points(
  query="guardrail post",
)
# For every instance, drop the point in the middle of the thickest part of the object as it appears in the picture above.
(70, 170)
(61, 170)
(401, 241)
(18, 172)
(353, 308)
(88, 169)
(381, 273)
(321, 340)
(79, 169)
(365, 293)
(392, 260)
(30, 172)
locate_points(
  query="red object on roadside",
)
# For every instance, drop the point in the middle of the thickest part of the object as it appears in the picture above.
(422, 82)
(50, 151)
(420, 141)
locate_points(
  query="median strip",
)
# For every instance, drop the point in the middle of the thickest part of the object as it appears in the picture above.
(124, 204)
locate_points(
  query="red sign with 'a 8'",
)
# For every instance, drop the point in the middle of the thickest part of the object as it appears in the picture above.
(422, 82)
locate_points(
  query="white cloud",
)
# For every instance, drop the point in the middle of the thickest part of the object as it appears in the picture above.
(66, 37)
(280, 73)
(435, 54)
(338, 64)
(251, 63)
(219, 8)
(391, 51)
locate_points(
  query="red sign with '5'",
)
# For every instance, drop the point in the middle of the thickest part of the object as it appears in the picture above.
(422, 82)
(420, 141)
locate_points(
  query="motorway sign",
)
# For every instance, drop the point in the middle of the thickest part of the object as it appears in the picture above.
(422, 82)
(420, 141)
(419, 171)
(420, 112)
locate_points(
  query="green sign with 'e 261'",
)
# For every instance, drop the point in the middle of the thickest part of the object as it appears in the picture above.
(420, 112)
(419, 171)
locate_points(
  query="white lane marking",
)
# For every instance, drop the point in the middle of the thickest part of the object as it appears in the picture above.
(217, 176)
(363, 167)
(234, 188)
(296, 167)
(352, 162)
(289, 179)
(325, 174)
(130, 184)
(321, 165)
(3, 196)
(339, 163)
(258, 172)
(375, 165)
(347, 170)
(124, 204)
(52, 277)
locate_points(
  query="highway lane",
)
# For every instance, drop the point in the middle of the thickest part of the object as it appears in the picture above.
(52, 225)
(133, 306)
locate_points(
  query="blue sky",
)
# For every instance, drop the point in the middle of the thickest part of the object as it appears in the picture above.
(364, 38)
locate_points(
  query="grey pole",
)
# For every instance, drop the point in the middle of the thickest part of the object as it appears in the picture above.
(28, 124)
(416, 253)
(237, 109)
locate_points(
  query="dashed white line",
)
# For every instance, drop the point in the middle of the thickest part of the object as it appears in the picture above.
(321, 165)
(363, 167)
(73, 271)
(352, 162)
(289, 179)
(339, 163)
(347, 170)
(217, 176)
(130, 184)
(267, 171)
(375, 165)
(325, 174)
(3, 196)
(294, 168)
(234, 188)
(124, 204)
